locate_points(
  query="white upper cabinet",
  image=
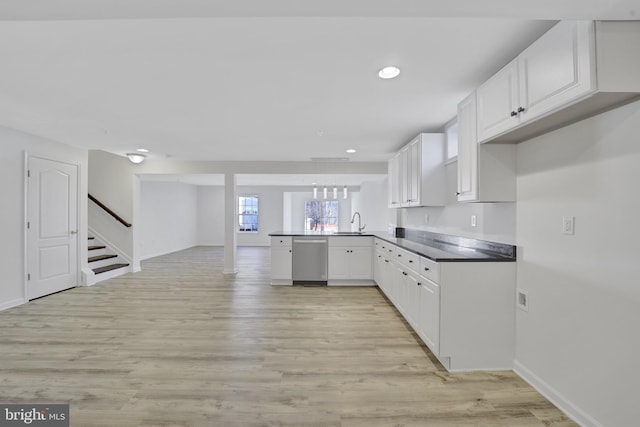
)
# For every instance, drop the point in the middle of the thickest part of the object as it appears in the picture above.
(486, 172)
(555, 70)
(498, 102)
(576, 69)
(417, 174)
(467, 150)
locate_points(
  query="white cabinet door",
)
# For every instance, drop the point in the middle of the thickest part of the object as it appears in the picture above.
(281, 263)
(395, 181)
(405, 168)
(339, 261)
(414, 175)
(412, 290)
(498, 102)
(467, 150)
(429, 315)
(360, 263)
(557, 69)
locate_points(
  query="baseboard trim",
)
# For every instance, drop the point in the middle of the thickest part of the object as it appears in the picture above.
(565, 405)
(12, 303)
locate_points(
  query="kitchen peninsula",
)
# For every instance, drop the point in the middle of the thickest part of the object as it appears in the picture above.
(458, 294)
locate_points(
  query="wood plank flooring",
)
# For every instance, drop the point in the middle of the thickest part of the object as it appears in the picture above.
(179, 344)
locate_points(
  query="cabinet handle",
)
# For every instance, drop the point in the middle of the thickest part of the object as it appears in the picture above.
(521, 110)
(404, 273)
(289, 250)
(419, 284)
(399, 255)
(280, 241)
(410, 261)
(390, 250)
(386, 260)
(514, 113)
(426, 269)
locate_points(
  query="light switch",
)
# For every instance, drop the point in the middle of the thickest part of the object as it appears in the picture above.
(522, 299)
(474, 221)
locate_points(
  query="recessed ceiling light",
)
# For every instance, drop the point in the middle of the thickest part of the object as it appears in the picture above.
(389, 72)
(142, 150)
(351, 150)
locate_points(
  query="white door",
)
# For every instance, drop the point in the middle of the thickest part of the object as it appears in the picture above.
(52, 234)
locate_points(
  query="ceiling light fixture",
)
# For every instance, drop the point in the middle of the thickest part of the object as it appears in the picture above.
(351, 150)
(142, 150)
(389, 72)
(136, 157)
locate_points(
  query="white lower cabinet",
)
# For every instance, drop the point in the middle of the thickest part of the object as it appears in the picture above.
(281, 260)
(350, 259)
(429, 313)
(463, 311)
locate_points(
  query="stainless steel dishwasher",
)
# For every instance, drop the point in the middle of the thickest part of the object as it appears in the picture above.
(309, 258)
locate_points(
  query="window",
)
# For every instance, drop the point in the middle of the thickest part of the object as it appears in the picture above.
(451, 131)
(321, 215)
(248, 213)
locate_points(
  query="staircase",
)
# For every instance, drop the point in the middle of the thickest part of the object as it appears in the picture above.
(104, 263)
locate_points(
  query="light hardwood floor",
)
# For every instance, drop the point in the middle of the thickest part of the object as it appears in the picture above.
(179, 344)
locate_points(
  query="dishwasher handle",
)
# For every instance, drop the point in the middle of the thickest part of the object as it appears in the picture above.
(309, 241)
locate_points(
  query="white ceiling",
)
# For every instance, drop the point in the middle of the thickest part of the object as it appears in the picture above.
(281, 80)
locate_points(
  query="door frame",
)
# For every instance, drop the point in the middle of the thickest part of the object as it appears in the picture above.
(78, 166)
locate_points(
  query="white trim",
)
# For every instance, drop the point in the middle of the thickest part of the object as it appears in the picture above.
(346, 282)
(12, 303)
(574, 412)
(111, 246)
(230, 272)
(25, 211)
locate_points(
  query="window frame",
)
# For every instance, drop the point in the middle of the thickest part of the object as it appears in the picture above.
(322, 226)
(240, 214)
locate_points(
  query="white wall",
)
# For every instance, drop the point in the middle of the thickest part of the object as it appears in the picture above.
(372, 204)
(168, 217)
(12, 221)
(580, 337)
(270, 208)
(112, 181)
(211, 215)
(494, 221)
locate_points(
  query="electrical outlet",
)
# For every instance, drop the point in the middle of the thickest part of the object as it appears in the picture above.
(522, 299)
(426, 219)
(567, 224)
(474, 221)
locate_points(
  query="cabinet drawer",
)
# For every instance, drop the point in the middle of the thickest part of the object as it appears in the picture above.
(408, 259)
(280, 241)
(430, 269)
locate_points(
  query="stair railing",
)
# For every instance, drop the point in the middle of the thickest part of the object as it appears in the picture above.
(109, 211)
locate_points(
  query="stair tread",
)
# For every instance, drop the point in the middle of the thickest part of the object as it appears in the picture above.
(95, 247)
(101, 257)
(108, 268)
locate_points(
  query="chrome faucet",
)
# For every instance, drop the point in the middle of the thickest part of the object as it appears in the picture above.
(354, 218)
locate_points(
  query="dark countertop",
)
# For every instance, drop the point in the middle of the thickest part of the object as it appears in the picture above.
(436, 250)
